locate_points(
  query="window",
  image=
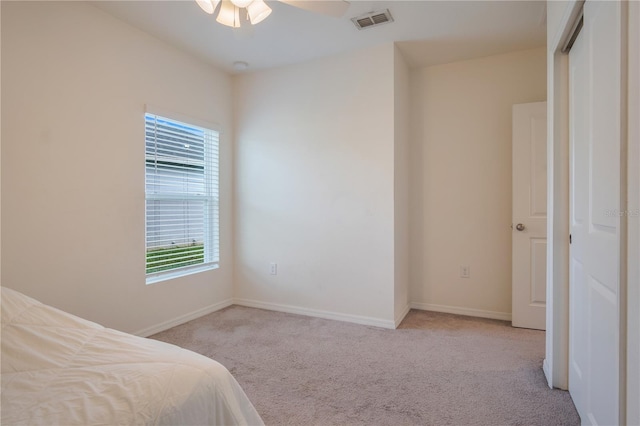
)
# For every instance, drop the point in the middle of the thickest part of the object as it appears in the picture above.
(181, 187)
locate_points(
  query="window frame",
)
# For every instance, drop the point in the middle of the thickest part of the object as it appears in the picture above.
(211, 221)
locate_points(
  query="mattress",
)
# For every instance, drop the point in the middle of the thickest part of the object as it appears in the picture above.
(61, 369)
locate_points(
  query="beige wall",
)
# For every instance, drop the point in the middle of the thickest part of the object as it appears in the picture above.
(461, 179)
(74, 84)
(315, 187)
(338, 180)
(401, 120)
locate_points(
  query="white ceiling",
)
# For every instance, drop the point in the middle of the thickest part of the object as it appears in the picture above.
(428, 32)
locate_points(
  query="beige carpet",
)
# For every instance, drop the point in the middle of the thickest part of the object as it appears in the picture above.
(436, 369)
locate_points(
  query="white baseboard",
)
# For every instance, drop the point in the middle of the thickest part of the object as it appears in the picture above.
(149, 331)
(403, 314)
(338, 316)
(547, 375)
(357, 319)
(504, 316)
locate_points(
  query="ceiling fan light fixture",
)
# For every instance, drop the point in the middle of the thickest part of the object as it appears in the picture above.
(229, 14)
(208, 5)
(241, 3)
(258, 11)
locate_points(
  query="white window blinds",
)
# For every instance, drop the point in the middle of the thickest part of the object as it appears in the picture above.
(181, 186)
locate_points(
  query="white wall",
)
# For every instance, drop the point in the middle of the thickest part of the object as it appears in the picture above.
(461, 179)
(74, 84)
(315, 186)
(401, 185)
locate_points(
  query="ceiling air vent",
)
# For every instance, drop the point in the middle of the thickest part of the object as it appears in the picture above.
(372, 19)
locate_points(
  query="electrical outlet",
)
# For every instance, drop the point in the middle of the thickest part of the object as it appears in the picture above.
(465, 272)
(273, 268)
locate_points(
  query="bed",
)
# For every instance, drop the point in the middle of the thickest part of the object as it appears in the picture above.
(58, 369)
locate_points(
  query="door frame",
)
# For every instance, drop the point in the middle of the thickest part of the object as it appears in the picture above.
(556, 363)
(633, 276)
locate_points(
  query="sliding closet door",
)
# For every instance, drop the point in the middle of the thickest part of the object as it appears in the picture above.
(595, 147)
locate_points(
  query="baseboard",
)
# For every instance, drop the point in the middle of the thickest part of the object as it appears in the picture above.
(547, 373)
(403, 314)
(504, 316)
(338, 316)
(149, 331)
(357, 319)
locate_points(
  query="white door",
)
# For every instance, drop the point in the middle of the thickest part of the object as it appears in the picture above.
(595, 122)
(529, 237)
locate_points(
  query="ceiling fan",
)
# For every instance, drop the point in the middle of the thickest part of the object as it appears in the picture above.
(256, 11)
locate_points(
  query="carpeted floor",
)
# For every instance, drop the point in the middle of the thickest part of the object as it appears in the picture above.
(436, 369)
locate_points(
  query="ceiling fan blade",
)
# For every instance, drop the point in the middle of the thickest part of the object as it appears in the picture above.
(335, 8)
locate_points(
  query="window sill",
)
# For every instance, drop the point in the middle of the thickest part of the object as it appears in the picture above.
(169, 275)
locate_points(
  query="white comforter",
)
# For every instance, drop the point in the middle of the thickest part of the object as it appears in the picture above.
(58, 369)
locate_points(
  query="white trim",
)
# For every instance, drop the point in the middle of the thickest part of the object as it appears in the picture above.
(504, 316)
(545, 369)
(149, 331)
(157, 277)
(338, 316)
(633, 229)
(624, 206)
(403, 314)
(567, 25)
(557, 333)
(184, 118)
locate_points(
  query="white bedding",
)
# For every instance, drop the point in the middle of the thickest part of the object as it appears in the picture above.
(58, 369)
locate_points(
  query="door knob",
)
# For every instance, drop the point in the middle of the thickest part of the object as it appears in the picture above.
(520, 227)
